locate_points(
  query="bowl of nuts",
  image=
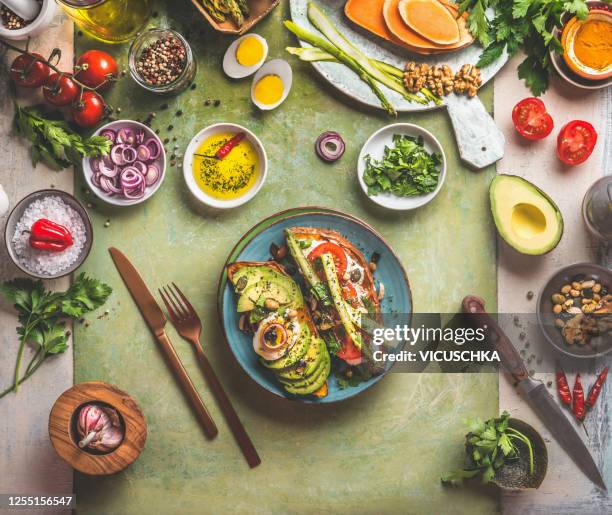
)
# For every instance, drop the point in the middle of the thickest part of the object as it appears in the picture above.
(575, 310)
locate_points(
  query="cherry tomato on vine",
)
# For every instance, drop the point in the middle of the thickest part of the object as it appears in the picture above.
(531, 119)
(60, 90)
(27, 73)
(576, 142)
(89, 110)
(96, 68)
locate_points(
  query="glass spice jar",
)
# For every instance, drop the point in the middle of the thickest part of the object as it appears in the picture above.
(161, 61)
(111, 21)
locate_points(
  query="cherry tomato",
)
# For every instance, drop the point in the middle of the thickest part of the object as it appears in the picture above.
(60, 90)
(96, 68)
(336, 251)
(29, 75)
(576, 142)
(89, 110)
(349, 352)
(531, 119)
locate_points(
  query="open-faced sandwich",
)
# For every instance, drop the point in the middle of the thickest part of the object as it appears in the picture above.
(284, 334)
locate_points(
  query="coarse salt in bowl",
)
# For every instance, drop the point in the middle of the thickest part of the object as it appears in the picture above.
(114, 171)
(59, 207)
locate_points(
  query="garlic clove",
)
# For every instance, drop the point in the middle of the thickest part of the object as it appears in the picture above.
(99, 428)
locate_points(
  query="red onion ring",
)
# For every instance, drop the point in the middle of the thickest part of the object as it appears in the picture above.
(126, 135)
(143, 152)
(140, 166)
(109, 134)
(129, 155)
(152, 175)
(330, 146)
(108, 186)
(154, 146)
(116, 155)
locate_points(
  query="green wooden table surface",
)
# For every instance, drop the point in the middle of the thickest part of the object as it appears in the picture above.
(382, 452)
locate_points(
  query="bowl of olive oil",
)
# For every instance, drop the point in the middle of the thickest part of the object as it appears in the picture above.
(225, 165)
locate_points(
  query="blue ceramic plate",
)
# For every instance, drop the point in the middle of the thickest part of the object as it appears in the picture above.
(255, 246)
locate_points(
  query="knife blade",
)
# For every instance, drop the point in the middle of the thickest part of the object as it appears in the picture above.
(156, 320)
(536, 394)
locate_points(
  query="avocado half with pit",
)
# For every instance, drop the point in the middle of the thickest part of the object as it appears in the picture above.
(527, 218)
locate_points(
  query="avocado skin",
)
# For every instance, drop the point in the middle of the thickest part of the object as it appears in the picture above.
(295, 354)
(312, 359)
(316, 383)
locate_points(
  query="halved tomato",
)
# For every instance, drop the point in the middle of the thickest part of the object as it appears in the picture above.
(576, 142)
(336, 251)
(348, 352)
(531, 119)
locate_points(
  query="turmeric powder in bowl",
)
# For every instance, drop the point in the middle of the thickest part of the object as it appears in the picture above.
(587, 45)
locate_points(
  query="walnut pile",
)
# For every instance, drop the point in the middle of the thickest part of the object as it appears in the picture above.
(441, 80)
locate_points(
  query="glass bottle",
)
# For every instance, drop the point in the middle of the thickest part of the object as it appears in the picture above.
(111, 21)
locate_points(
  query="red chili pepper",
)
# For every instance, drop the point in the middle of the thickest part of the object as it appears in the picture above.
(563, 388)
(226, 149)
(596, 388)
(578, 406)
(47, 235)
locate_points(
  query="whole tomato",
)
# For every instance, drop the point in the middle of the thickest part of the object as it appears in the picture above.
(60, 90)
(96, 68)
(89, 110)
(30, 71)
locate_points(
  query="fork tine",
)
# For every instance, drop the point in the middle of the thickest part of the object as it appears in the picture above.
(183, 312)
(178, 311)
(192, 311)
(169, 308)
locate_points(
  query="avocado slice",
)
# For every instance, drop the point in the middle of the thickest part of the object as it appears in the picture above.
(249, 297)
(315, 384)
(295, 354)
(313, 357)
(250, 276)
(306, 380)
(526, 218)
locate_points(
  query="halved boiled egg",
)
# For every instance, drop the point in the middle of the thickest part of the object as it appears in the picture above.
(245, 56)
(275, 336)
(271, 84)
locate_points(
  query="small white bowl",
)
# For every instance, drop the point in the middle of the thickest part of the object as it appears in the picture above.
(278, 67)
(160, 162)
(188, 165)
(38, 25)
(375, 146)
(235, 70)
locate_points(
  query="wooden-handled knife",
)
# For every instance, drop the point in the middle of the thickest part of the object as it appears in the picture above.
(535, 392)
(155, 319)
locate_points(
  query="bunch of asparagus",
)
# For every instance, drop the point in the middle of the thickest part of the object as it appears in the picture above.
(336, 47)
(220, 10)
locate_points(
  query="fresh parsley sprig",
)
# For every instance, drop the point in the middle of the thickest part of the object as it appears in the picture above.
(53, 141)
(490, 445)
(42, 317)
(526, 24)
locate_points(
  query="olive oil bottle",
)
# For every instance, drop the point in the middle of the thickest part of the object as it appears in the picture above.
(111, 21)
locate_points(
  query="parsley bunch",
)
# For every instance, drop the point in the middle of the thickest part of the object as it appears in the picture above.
(54, 142)
(490, 445)
(42, 317)
(526, 24)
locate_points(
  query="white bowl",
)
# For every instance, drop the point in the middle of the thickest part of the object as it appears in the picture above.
(188, 165)
(375, 146)
(160, 162)
(39, 24)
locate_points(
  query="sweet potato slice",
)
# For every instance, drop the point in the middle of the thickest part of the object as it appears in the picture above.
(431, 20)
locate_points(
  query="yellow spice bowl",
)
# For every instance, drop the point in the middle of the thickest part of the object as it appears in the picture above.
(188, 162)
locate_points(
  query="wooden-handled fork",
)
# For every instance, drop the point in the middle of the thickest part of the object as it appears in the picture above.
(189, 326)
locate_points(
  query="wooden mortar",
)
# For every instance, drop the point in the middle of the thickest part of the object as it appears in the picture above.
(64, 440)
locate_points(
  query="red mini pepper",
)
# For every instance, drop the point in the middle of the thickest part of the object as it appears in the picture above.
(47, 235)
(563, 388)
(578, 406)
(596, 388)
(226, 149)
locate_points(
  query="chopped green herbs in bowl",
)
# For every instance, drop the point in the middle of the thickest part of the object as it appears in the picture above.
(401, 166)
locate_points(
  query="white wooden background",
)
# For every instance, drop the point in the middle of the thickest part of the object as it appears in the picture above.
(28, 464)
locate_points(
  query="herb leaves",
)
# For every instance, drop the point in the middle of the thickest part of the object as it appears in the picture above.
(406, 169)
(53, 141)
(42, 314)
(527, 24)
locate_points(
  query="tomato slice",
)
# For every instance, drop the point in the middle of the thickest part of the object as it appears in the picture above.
(531, 119)
(336, 251)
(576, 142)
(348, 352)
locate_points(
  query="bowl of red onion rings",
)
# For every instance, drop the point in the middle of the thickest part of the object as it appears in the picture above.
(133, 170)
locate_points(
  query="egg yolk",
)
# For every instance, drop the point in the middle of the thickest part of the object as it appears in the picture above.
(249, 51)
(269, 89)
